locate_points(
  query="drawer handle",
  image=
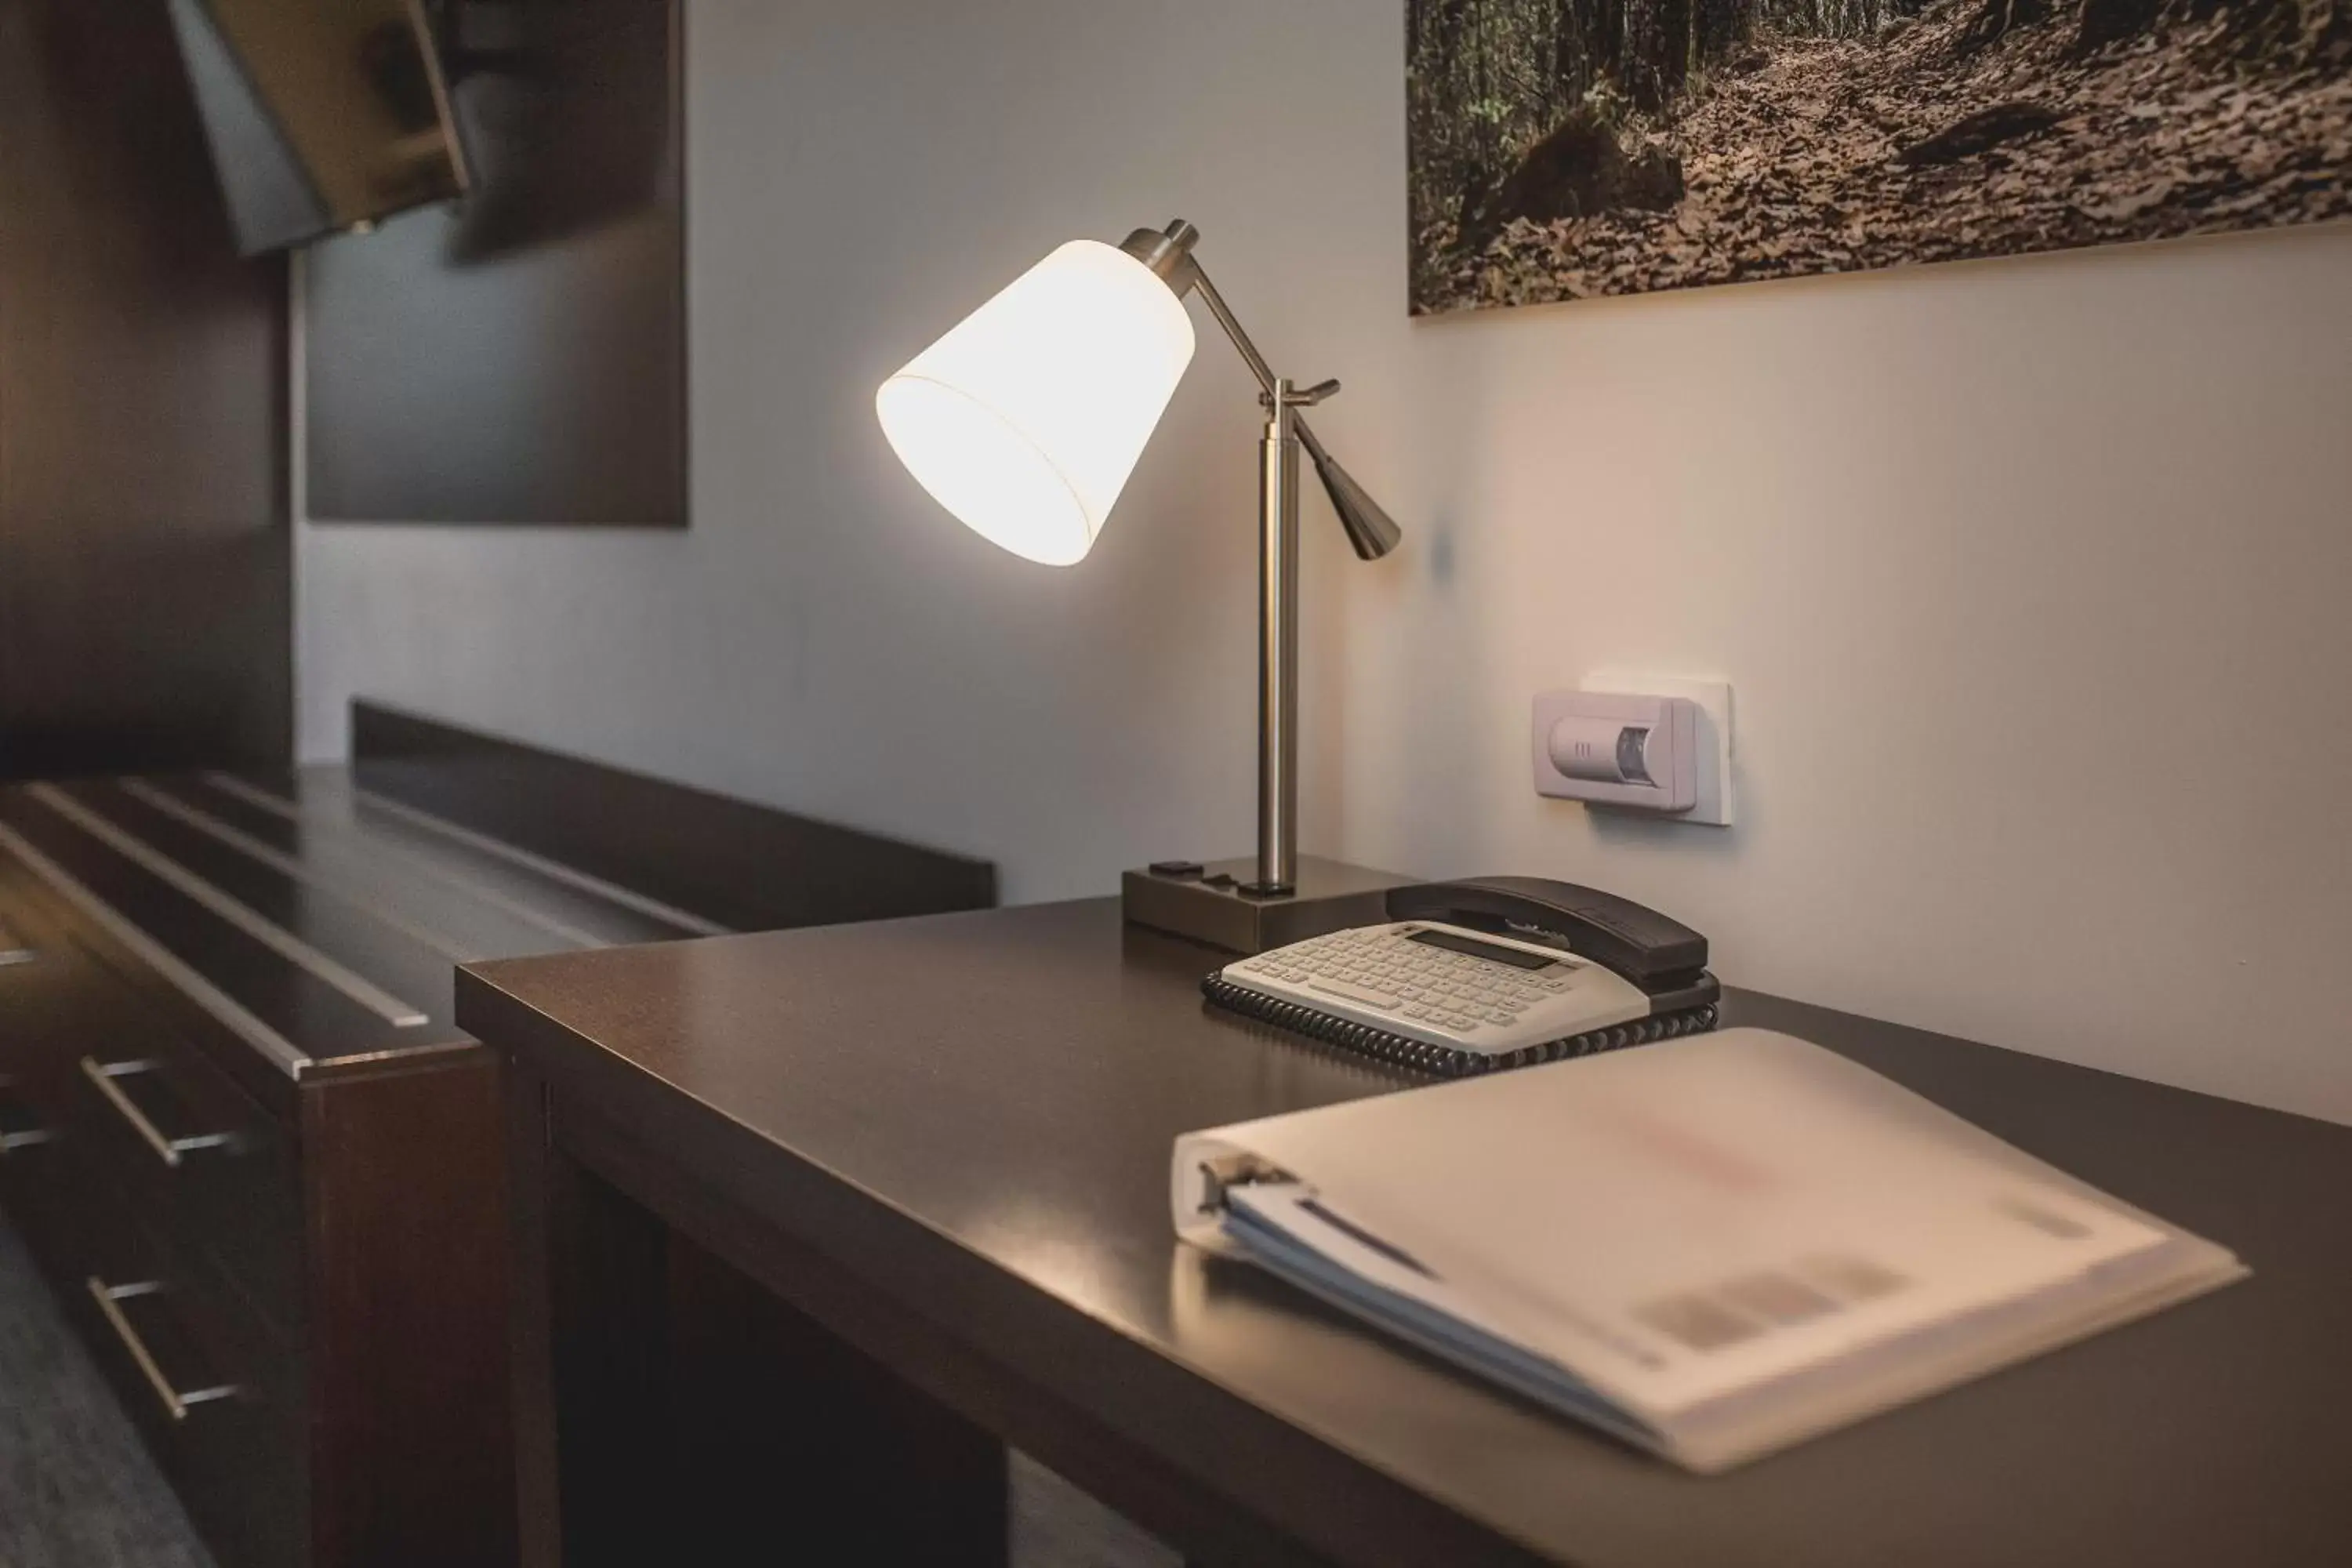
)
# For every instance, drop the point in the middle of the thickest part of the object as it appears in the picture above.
(176, 1402)
(168, 1149)
(23, 1138)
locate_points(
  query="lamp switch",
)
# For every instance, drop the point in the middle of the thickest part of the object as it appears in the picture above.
(1652, 744)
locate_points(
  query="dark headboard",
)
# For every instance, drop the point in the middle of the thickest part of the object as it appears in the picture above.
(751, 868)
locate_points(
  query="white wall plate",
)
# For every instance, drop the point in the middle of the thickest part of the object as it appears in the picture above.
(1716, 793)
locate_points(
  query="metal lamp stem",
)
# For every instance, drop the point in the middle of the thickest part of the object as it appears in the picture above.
(1277, 645)
(1169, 253)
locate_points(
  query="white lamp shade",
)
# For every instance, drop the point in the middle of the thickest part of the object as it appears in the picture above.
(1027, 419)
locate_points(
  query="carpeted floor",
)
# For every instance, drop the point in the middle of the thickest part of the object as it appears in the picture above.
(77, 1490)
(1055, 1525)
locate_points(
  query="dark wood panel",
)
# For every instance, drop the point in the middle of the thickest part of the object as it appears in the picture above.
(947, 1141)
(531, 338)
(38, 1041)
(345, 855)
(313, 1017)
(35, 901)
(326, 912)
(948, 1358)
(406, 1235)
(232, 1204)
(144, 568)
(403, 854)
(759, 1391)
(703, 1420)
(747, 867)
(353, 931)
(239, 1463)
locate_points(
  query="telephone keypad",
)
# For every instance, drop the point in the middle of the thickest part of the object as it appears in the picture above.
(1425, 990)
(1380, 969)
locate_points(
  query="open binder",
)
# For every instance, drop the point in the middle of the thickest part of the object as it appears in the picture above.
(1712, 1248)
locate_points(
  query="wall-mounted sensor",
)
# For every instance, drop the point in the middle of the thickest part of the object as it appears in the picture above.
(1664, 752)
(1619, 750)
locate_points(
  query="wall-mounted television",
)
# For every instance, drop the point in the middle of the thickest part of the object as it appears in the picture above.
(517, 355)
(323, 115)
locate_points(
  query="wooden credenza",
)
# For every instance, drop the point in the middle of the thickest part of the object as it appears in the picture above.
(245, 1141)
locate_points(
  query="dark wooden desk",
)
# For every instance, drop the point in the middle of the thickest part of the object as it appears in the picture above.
(943, 1143)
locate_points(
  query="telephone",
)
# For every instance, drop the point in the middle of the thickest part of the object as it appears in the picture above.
(1476, 976)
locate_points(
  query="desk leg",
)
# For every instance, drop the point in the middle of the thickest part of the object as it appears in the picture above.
(596, 1464)
(700, 1420)
(530, 1181)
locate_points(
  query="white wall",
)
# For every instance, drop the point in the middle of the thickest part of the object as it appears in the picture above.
(2030, 575)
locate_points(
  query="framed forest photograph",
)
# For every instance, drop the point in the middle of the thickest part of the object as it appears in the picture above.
(1560, 149)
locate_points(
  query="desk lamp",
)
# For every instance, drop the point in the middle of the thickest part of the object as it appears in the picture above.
(1025, 420)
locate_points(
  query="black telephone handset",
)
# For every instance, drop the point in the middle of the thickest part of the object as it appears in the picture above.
(1638, 942)
(1473, 976)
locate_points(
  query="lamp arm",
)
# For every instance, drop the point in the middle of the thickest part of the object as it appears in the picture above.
(1197, 276)
(1370, 529)
(1169, 254)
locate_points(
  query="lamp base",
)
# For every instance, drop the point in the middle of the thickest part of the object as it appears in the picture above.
(1212, 904)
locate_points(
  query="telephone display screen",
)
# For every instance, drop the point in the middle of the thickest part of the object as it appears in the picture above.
(1517, 958)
